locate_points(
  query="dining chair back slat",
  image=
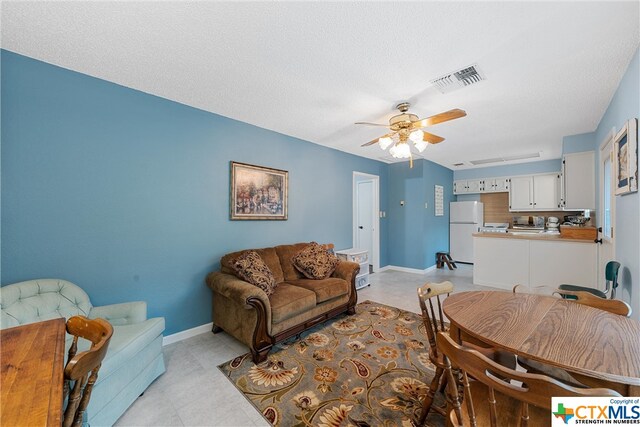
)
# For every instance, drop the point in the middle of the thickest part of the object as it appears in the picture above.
(493, 382)
(614, 306)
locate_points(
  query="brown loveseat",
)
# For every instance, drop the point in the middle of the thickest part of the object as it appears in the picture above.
(246, 312)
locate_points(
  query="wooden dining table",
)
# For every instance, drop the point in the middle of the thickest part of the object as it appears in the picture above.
(600, 348)
(31, 374)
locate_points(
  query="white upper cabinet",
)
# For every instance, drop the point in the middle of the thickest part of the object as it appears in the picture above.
(578, 181)
(545, 192)
(481, 185)
(521, 193)
(496, 185)
(535, 192)
(465, 186)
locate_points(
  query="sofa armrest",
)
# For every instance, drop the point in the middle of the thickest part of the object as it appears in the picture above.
(346, 270)
(236, 289)
(127, 313)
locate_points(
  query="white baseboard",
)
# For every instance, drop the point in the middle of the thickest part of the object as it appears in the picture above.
(407, 269)
(183, 335)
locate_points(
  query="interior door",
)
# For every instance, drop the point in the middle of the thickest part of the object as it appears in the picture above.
(364, 233)
(606, 216)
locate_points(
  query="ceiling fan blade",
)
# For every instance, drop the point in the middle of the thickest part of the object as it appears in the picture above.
(439, 118)
(431, 138)
(376, 140)
(372, 124)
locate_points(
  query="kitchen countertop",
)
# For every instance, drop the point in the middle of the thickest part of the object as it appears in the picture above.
(533, 236)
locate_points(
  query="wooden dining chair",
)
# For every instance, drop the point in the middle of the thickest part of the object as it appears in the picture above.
(614, 306)
(431, 296)
(81, 371)
(495, 395)
(611, 283)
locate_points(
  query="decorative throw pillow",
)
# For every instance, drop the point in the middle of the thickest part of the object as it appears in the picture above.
(315, 262)
(251, 268)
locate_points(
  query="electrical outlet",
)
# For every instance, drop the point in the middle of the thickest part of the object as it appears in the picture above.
(426, 205)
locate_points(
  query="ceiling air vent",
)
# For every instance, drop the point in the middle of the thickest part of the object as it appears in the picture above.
(457, 79)
(505, 159)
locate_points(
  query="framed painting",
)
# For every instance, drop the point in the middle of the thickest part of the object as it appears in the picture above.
(625, 147)
(258, 192)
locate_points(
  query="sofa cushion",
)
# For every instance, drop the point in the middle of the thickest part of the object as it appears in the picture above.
(268, 255)
(324, 289)
(315, 261)
(288, 301)
(251, 268)
(286, 253)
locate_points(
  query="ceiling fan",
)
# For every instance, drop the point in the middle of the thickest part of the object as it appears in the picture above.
(406, 126)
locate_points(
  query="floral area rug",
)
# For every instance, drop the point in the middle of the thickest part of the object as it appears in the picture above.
(369, 369)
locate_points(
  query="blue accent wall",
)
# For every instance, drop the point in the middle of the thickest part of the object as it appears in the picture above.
(415, 233)
(625, 105)
(127, 194)
(542, 166)
(578, 143)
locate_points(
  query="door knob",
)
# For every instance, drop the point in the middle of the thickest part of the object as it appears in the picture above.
(598, 241)
(361, 227)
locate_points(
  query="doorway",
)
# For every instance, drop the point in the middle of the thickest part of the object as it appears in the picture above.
(366, 219)
(607, 214)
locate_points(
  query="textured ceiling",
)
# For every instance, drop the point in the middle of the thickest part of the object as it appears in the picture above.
(310, 70)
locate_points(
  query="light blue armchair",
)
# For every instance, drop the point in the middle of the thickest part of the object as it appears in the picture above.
(134, 358)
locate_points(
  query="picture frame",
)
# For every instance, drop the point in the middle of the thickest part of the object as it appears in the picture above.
(625, 146)
(258, 192)
(439, 200)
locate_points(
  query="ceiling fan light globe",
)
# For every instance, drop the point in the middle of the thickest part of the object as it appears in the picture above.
(420, 145)
(385, 142)
(416, 136)
(400, 151)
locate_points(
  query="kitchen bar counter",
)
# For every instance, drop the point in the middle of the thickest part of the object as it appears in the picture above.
(503, 260)
(533, 236)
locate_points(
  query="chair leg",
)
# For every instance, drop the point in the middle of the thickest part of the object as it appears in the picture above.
(431, 393)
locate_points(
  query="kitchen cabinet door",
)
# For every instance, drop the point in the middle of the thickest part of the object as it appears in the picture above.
(474, 185)
(521, 193)
(545, 191)
(495, 185)
(578, 172)
(460, 186)
(501, 185)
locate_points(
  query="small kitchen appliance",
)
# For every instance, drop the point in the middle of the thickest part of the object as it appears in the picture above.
(494, 227)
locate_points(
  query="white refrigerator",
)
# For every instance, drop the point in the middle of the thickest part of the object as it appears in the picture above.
(464, 219)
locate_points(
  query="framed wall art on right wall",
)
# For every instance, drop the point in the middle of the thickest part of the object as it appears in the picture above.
(626, 158)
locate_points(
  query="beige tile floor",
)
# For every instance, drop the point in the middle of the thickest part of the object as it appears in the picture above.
(193, 392)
